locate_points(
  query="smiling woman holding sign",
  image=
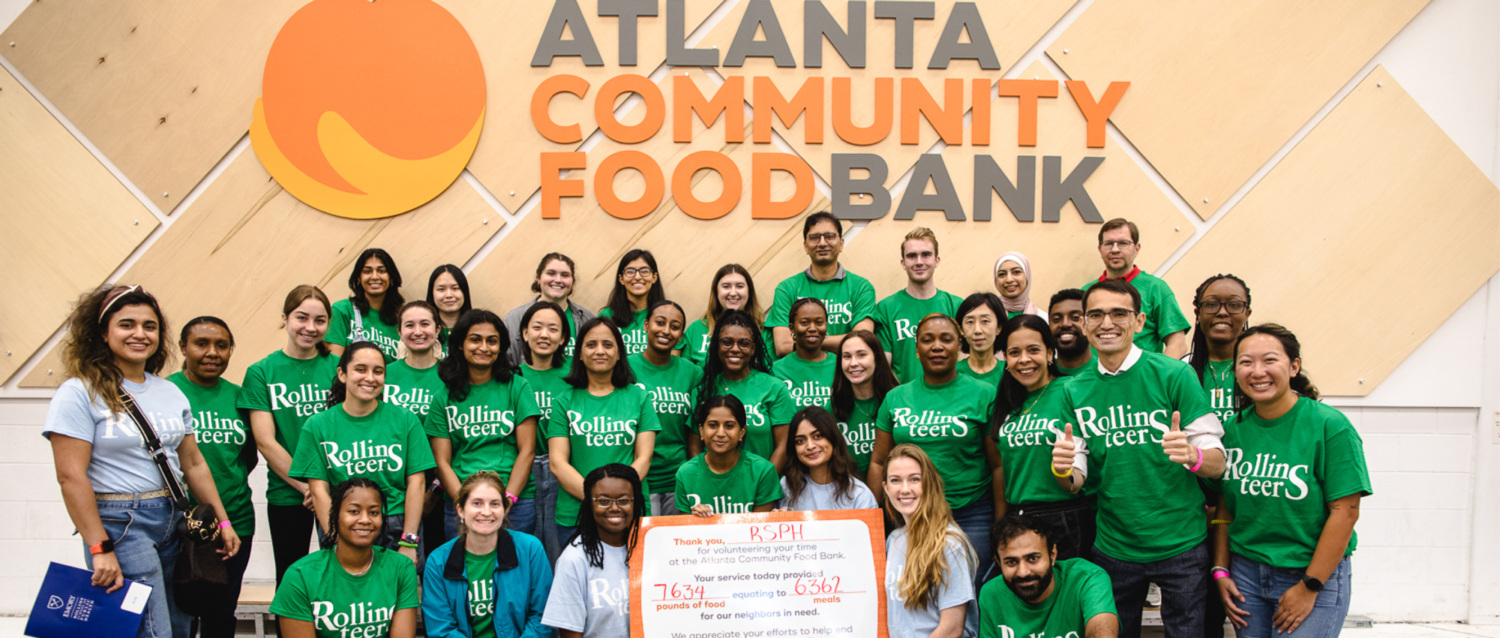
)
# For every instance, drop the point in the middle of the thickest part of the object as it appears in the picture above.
(725, 479)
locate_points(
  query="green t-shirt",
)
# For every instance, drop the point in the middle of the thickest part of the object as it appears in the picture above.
(412, 389)
(896, 319)
(223, 432)
(1073, 372)
(809, 382)
(482, 427)
(1080, 591)
(479, 569)
(949, 422)
(992, 377)
(1280, 476)
(385, 446)
(634, 332)
(1218, 384)
(342, 330)
(674, 392)
(1163, 317)
(695, 338)
(600, 431)
(859, 432)
(850, 299)
(767, 404)
(545, 384)
(317, 589)
(1149, 507)
(1025, 443)
(292, 390)
(750, 483)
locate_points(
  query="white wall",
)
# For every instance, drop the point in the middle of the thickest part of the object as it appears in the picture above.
(1428, 547)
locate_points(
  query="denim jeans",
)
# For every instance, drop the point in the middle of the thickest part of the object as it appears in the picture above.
(522, 517)
(664, 504)
(222, 624)
(146, 548)
(545, 503)
(1183, 580)
(976, 519)
(1262, 586)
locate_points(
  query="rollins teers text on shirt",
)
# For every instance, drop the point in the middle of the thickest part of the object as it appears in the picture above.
(940, 101)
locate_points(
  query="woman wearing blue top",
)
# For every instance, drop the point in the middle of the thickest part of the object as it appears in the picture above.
(488, 582)
(114, 491)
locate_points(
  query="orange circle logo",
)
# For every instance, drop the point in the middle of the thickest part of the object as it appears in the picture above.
(369, 109)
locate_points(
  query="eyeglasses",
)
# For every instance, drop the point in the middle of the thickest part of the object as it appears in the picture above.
(638, 272)
(1111, 245)
(1234, 306)
(605, 502)
(1117, 316)
(744, 344)
(819, 238)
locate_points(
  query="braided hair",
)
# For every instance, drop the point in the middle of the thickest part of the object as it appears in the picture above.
(713, 366)
(336, 503)
(1199, 351)
(588, 529)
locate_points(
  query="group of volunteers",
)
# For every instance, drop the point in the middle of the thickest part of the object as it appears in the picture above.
(1040, 465)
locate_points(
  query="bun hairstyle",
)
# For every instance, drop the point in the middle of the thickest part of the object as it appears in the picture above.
(1300, 384)
(301, 294)
(336, 500)
(1199, 350)
(339, 391)
(86, 353)
(393, 299)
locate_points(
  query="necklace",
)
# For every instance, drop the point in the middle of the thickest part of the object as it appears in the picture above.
(1028, 405)
(1220, 378)
(368, 565)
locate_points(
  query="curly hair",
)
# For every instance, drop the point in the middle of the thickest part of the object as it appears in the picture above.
(86, 353)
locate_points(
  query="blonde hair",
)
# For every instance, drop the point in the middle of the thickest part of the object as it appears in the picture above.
(923, 233)
(929, 529)
(482, 477)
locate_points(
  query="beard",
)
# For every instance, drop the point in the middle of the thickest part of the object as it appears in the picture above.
(1080, 343)
(1031, 589)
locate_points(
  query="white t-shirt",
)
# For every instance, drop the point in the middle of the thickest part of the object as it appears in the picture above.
(592, 600)
(957, 590)
(119, 463)
(822, 497)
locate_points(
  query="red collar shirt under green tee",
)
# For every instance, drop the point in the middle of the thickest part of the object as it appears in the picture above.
(600, 431)
(848, 297)
(292, 391)
(482, 427)
(810, 383)
(1025, 443)
(949, 422)
(1149, 507)
(1281, 474)
(767, 404)
(674, 392)
(385, 446)
(223, 435)
(896, 318)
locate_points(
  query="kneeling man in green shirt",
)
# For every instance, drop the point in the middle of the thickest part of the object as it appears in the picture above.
(1040, 595)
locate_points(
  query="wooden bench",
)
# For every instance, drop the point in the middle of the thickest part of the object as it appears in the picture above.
(255, 606)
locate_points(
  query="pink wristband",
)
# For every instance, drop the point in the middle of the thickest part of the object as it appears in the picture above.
(1199, 464)
(1219, 573)
(512, 497)
(223, 524)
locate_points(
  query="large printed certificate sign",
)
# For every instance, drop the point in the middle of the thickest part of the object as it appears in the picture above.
(771, 575)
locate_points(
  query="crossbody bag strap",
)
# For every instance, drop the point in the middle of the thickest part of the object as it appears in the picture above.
(156, 450)
(359, 325)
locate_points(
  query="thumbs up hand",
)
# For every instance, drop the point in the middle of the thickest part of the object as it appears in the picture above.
(1064, 451)
(1175, 443)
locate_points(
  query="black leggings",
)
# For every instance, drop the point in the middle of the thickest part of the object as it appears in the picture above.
(291, 529)
(220, 624)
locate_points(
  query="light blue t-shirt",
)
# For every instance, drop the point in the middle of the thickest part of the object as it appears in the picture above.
(119, 463)
(822, 497)
(959, 589)
(591, 600)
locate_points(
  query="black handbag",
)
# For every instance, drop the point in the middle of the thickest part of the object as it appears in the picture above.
(200, 581)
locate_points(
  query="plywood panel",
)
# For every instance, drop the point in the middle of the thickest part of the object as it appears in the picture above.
(50, 188)
(1370, 233)
(163, 90)
(506, 159)
(687, 250)
(245, 242)
(1063, 254)
(1217, 88)
(1013, 27)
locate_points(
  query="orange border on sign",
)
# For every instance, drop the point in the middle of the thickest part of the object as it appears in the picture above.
(873, 519)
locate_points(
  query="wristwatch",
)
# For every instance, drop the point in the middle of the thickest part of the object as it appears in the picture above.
(104, 547)
(411, 538)
(1312, 584)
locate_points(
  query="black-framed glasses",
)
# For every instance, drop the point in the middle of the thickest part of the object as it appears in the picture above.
(1118, 316)
(1234, 306)
(743, 344)
(644, 271)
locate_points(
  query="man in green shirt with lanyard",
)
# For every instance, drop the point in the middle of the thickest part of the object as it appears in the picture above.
(896, 316)
(1040, 595)
(1165, 328)
(1145, 434)
(849, 298)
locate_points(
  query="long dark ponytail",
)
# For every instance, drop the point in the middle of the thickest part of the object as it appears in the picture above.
(339, 391)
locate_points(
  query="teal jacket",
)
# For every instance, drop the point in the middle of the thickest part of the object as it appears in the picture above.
(522, 580)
